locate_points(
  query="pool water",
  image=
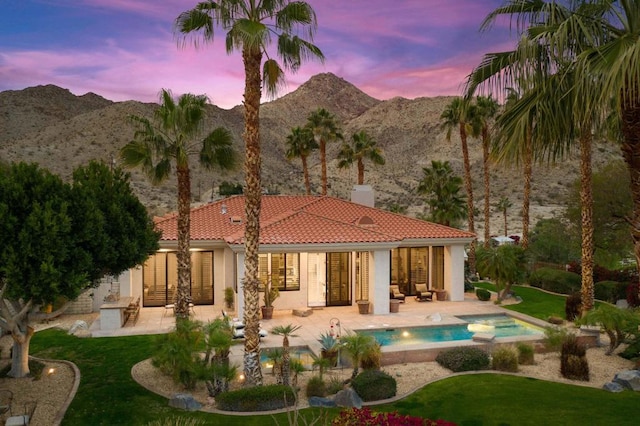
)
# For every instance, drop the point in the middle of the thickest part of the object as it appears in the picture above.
(301, 353)
(499, 325)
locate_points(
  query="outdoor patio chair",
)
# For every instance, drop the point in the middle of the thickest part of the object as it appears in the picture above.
(394, 292)
(423, 294)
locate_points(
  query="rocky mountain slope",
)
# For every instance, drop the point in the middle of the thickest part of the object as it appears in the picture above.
(51, 126)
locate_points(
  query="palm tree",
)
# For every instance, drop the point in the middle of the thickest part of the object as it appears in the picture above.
(442, 188)
(502, 206)
(460, 114)
(285, 331)
(357, 346)
(175, 134)
(325, 129)
(565, 95)
(300, 143)
(504, 264)
(249, 27)
(487, 110)
(362, 147)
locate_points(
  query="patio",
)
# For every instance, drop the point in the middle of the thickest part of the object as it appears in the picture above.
(411, 313)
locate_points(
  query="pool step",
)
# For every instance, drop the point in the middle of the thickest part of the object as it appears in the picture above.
(483, 337)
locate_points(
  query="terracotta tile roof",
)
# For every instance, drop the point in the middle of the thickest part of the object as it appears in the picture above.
(290, 219)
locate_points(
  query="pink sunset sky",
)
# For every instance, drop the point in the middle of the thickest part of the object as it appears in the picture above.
(127, 49)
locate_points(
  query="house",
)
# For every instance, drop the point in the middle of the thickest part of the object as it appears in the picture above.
(318, 250)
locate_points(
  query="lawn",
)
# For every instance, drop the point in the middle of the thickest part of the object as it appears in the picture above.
(109, 396)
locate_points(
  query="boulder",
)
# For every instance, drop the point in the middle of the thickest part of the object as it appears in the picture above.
(184, 401)
(613, 387)
(348, 398)
(629, 379)
(318, 401)
(79, 327)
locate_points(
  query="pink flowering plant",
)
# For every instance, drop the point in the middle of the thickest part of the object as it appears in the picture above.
(365, 417)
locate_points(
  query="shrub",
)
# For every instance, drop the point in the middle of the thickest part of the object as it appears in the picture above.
(257, 398)
(505, 358)
(610, 291)
(555, 280)
(573, 359)
(525, 353)
(316, 387)
(553, 338)
(572, 306)
(464, 359)
(334, 386)
(177, 353)
(483, 294)
(372, 358)
(374, 385)
(633, 295)
(632, 351)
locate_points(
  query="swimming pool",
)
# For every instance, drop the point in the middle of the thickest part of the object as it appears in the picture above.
(300, 353)
(499, 325)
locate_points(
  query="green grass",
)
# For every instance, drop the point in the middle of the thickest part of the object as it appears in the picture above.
(535, 303)
(491, 399)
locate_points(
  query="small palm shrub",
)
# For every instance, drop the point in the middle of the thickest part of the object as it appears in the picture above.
(572, 306)
(505, 358)
(573, 359)
(483, 294)
(525, 353)
(316, 387)
(177, 353)
(464, 359)
(374, 385)
(257, 398)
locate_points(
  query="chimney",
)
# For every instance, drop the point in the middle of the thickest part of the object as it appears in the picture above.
(363, 194)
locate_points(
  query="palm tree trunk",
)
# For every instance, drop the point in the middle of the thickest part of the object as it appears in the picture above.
(469, 187)
(323, 165)
(631, 153)
(183, 256)
(286, 361)
(487, 187)
(526, 197)
(360, 171)
(586, 201)
(252, 60)
(305, 172)
(504, 214)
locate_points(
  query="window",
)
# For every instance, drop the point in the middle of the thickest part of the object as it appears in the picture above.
(284, 269)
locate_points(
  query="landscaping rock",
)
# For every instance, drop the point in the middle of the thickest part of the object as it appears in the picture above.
(348, 398)
(613, 387)
(555, 320)
(80, 329)
(318, 401)
(629, 379)
(184, 401)
(302, 312)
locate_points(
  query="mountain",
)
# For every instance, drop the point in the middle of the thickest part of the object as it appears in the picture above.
(51, 126)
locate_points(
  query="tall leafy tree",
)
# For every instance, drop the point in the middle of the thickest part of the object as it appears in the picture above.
(250, 27)
(300, 144)
(443, 191)
(487, 110)
(325, 130)
(57, 241)
(175, 134)
(503, 205)
(360, 147)
(460, 115)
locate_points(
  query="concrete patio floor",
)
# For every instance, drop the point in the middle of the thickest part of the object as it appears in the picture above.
(411, 313)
